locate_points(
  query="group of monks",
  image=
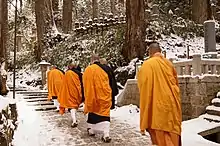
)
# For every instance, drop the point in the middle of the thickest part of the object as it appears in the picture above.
(160, 103)
(96, 88)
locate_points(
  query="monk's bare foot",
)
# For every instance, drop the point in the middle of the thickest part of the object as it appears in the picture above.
(90, 133)
(106, 139)
(74, 125)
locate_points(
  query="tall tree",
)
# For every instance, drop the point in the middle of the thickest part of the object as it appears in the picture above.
(113, 8)
(3, 28)
(135, 30)
(201, 10)
(67, 15)
(44, 23)
(55, 4)
(95, 8)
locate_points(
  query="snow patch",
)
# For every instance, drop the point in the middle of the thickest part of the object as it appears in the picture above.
(216, 100)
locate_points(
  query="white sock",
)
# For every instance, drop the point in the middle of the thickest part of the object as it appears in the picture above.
(56, 103)
(103, 127)
(91, 128)
(73, 115)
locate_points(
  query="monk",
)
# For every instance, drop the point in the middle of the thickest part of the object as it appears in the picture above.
(98, 98)
(54, 83)
(71, 94)
(112, 80)
(160, 105)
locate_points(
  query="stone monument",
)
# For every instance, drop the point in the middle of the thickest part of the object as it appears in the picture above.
(209, 36)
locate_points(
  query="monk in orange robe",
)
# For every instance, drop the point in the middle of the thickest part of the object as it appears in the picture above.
(71, 94)
(54, 83)
(98, 98)
(160, 105)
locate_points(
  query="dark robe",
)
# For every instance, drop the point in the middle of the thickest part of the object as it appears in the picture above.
(94, 118)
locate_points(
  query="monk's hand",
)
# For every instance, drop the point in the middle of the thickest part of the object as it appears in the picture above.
(142, 132)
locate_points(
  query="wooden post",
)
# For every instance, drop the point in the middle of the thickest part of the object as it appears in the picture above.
(187, 52)
(44, 66)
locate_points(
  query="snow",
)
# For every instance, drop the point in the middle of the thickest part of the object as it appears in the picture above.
(216, 100)
(190, 129)
(213, 117)
(213, 108)
(4, 102)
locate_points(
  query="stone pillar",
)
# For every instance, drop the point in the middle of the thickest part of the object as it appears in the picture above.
(209, 33)
(43, 66)
(138, 65)
(19, 42)
(196, 64)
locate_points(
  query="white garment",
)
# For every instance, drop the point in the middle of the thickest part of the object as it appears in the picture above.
(102, 127)
(73, 115)
(56, 103)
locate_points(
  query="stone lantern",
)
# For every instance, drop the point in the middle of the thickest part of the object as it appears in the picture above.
(44, 67)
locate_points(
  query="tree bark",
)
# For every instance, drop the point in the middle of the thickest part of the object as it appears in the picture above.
(21, 5)
(39, 7)
(3, 28)
(113, 8)
(95, 9)
(55, 4)
(201, 10)
(135, 30)
(44, 23)
(67, 15)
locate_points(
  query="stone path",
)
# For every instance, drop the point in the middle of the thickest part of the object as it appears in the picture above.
(48, 128)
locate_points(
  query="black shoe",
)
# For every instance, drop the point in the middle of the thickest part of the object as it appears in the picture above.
(73, 125)
(106, 139)
(90, 134)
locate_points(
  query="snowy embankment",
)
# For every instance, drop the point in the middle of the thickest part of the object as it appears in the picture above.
(130, 114)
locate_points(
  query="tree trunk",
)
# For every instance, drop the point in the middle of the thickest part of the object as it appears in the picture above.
(48, 14)
(135, 30)
(44, 22)
(200, 10)
(21, 5)
(67, 15)
(3, 28)
(55, 4)
(95, 9)
(113, 9)
(39, 7)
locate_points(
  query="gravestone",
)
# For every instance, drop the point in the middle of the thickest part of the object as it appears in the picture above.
(209, 33)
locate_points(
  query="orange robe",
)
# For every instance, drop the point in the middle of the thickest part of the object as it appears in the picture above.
(54, 82)
(97, 91)
(160, 103)
(70, 95)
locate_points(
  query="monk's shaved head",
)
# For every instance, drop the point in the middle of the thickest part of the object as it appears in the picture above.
(103, 61)
(94, 58)
(154, 48)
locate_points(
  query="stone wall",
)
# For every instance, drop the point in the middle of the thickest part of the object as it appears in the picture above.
(196, 94)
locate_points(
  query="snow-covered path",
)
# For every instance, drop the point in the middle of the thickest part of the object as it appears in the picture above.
(48, 128)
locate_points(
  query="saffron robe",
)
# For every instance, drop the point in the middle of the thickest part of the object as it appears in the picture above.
(160, 105)
(71, 94)
(98, 93)
(54, 82)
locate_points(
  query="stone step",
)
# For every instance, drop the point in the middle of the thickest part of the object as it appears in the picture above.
(36, 100)
(213, 112)
(36, 94)
(33, 97)
(211, 118)
(40, 103)
(217, 104)
(45, 108)
(32, 92)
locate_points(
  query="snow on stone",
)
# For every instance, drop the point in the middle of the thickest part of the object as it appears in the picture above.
(218, 94)
(191, 128)
(213, 108)
(3, 102)
(216, 100)
(130, 67)
(212, 117)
